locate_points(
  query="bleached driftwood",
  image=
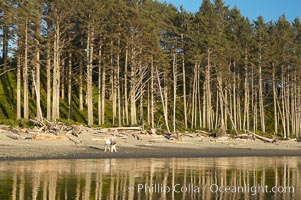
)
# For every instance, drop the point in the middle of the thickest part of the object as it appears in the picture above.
(116, 129)
(10, 129)
(265, 139)
(202, 133)
(245, 136)
(74, 130)
(14, 137)
(74, 140)
(55, 128)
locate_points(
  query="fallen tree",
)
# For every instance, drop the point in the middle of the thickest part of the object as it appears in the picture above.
(245, 136)
(265, 139)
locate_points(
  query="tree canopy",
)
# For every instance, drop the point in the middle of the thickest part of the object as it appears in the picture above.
(127, 62)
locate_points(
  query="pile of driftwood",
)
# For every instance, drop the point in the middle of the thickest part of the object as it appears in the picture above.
(56, 128)
(42, 130)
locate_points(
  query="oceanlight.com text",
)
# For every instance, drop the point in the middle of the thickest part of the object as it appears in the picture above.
(214, 188)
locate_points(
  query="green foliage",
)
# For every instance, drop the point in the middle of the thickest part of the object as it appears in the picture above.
(17, 123)
(140, 34)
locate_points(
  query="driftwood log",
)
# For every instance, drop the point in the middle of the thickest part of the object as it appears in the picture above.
(265, 139)
(202, 133)
(74, 130)
(121, 129)
(245, 136)
(14, 137)
(10, 129)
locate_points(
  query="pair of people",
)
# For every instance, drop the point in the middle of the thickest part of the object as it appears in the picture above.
(110, 145)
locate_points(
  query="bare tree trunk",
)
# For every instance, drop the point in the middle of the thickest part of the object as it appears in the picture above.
(5, 40)
(63, 79)
(99, 85)
(220, 85)
(293, 107)
(141, 95)
(193, 98)
(175, 74)
(126, 104)
(39, 110)
(56, 74)
(205, 108)
(237, 100)
(184, 83)
(234, 96)
(103, 93)
(81, 95)
(133, 89)
(225, 102)
(275, 101)
(25, 72)
(37, 81)
(114, 84)
(19, 81)
(283, 102)
(152, 109)
(226, 106)
(133, 104)
(165, 91)
(255, 112)
(287, 104)
(90, 46)
(239, 118)
(198, 95)
(70, 85)
(148, 105)
(298, 106)
(81, 74)
(254, 100)
(247, 95)
(118, 86)
(48, 75)
(163, 101)
(261, 108)
(217, 110)
(208, 91)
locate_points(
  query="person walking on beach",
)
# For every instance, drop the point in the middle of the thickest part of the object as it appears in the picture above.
(107, 145)
(113, 145)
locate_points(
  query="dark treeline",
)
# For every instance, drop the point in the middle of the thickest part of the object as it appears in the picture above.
(129, 62)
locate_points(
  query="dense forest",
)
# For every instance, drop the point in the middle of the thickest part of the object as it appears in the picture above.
(141, 62)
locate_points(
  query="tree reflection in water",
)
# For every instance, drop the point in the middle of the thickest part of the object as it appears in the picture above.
(122, 178)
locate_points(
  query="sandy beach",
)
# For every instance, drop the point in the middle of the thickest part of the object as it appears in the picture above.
(90, 144)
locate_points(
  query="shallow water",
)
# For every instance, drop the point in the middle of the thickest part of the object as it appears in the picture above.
(178, 178)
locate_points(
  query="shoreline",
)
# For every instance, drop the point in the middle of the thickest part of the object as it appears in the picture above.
(154, 152)
(90, 146)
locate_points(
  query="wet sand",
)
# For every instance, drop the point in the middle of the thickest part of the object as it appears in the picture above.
(91, 146)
